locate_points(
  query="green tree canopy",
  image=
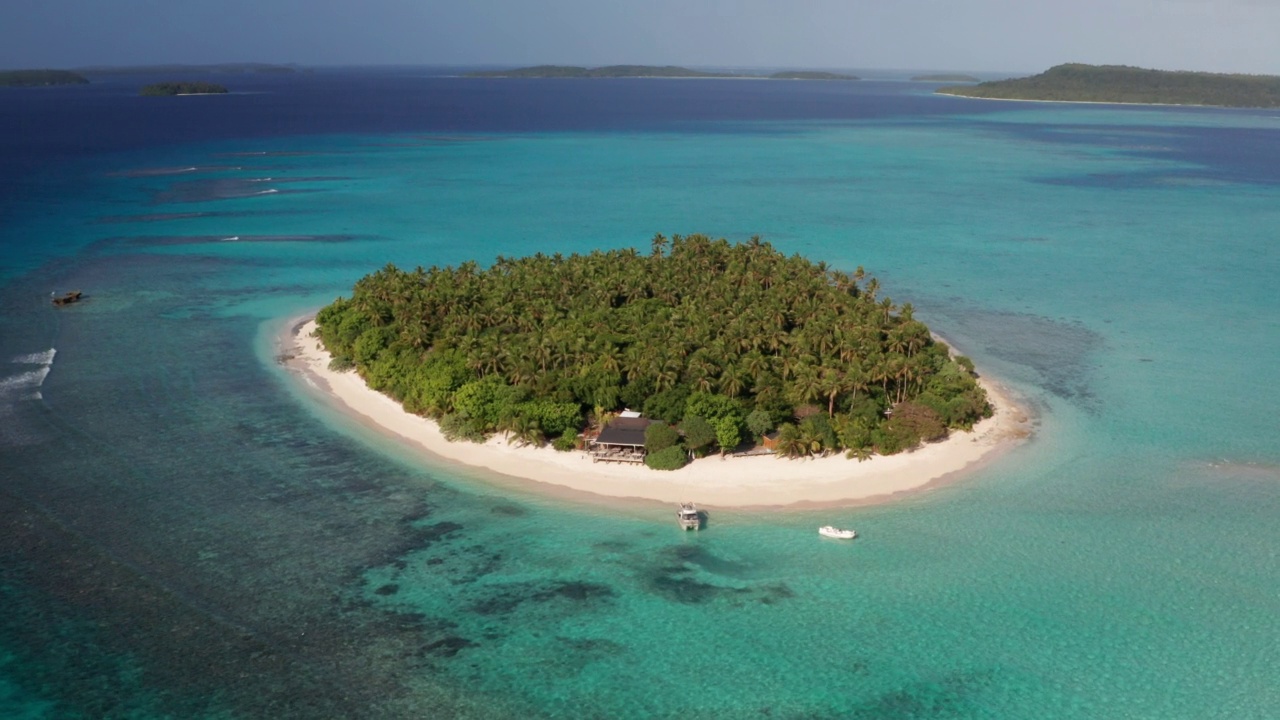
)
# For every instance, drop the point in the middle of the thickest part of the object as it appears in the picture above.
(739, 336)
(1076, 82)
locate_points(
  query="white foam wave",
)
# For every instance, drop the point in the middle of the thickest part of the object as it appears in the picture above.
(16, 388)
(265, 179)
(40, 358)
(233, 238)
(268, 191)
(30, 380)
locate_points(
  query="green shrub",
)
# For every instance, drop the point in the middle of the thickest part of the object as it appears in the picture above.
(555, 418)
(816, 431)
(660, 436)
(455, 427)
(341, 363)
(566, 442)
(487, 401)
(922, 420)
(853, 432)
(712, 407)
(759, 423)
(672, 458)
(371, 343)
(893, 436)
(698, 434)
(433, 384)
(728, 433)
(668, 405)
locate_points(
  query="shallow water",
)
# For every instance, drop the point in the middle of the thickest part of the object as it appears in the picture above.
(187, 533)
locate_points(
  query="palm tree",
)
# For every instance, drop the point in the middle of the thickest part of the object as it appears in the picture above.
(832, 383)
(806, 385)
(732, 380)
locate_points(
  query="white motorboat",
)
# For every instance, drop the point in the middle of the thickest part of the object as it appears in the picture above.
(688, 517)
(835, 532)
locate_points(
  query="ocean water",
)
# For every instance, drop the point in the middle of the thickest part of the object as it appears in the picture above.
(185, 531)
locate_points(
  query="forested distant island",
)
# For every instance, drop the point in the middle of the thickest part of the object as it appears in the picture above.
(183, 88)
(945, 77)
(810, 75)
(646, 71)
(1123, 84)
(221, 68)
(610, 71)
(720, 343)
(40, 78)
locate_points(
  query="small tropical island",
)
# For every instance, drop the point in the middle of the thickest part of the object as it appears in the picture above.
(182, 88)
(946, 77)
(1122, 84)
(180, 69)
(647, 71)
(811, 75)
(588, 372)
(40, 78)
(609, 71)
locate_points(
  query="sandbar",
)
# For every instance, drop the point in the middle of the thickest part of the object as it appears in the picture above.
(758, 481)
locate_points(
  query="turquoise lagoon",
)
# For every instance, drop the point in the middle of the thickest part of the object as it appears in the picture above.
(192, 534)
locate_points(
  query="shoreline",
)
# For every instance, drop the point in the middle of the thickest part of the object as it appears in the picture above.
(725, 482)
(1102, 102)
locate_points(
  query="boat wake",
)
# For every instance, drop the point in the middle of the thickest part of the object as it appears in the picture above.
(26, 385)
(40, 358)
(18, 387)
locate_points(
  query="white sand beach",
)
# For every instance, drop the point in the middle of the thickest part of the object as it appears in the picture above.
(757, 481)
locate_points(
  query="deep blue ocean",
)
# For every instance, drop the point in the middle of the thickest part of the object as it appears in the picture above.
(185, 532)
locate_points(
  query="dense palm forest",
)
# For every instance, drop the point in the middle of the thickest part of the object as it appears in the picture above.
(1075, 82)
(721, 342)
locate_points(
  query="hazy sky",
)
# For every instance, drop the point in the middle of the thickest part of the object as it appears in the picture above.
(992, 35)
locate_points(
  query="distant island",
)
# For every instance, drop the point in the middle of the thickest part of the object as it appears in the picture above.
(174, 69)
(40, 78)
(1122, 84)
(182, 88)
(811, 75)
(610, 71)
(718, 344)
(945, 77)
(646, 71)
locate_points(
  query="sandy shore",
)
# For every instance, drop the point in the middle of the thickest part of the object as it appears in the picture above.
(1092, 102)
(760, 481)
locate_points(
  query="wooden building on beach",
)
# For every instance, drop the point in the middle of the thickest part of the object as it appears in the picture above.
(622, 440)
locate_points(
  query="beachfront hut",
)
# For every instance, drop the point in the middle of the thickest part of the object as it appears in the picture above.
(622, 440)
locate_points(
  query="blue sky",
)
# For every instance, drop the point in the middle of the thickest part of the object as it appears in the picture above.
(981, 35)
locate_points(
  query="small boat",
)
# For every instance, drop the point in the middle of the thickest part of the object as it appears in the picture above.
(67, 298)
(688, 516)
(835, 532)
